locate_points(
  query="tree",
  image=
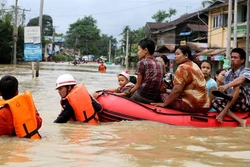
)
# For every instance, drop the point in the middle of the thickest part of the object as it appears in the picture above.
(207, 3)
(6, 43)
(84, 35)
(47, 24)
(6, 34)
(139, 34)
(103, 45)
(162, 15)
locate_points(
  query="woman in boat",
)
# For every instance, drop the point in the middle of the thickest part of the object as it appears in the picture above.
(189, 91)
(77, 104)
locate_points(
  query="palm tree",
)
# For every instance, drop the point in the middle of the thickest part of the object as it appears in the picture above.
(207, 2)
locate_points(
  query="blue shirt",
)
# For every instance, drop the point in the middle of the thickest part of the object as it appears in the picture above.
(209, 84)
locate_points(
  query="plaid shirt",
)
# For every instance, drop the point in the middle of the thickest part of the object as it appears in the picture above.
(231, 75)
(152, 72)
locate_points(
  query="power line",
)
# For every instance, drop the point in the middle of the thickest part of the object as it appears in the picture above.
(116, 11)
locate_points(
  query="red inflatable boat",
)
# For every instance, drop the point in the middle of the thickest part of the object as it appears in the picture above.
(117, 108)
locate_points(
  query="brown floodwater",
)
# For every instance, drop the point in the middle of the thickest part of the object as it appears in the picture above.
(136, 143)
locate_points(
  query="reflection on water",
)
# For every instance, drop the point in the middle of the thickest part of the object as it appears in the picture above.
(138, 143)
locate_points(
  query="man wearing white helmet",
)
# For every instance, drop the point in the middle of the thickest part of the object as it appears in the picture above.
(77, 103)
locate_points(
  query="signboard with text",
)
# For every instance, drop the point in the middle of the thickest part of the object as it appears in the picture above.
(32, 43)
(32, 52)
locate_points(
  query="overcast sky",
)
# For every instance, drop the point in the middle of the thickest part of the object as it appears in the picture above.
(111, 15)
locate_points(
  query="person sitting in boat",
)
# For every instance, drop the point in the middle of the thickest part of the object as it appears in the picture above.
(124, 84)
(167, 85)
(189, 91)
(168, 77)
(237, 87)
(219, 76)
(149, 73)
(211, 85)
(21, 120)
(77, 104)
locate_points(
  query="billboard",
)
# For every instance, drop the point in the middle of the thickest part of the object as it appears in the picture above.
(32, 52)
(32, 43)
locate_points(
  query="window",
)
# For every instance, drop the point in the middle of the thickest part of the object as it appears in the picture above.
(219, 20)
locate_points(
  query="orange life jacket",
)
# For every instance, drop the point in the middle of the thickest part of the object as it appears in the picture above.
(81, 103)
(23, 111)
(102, 68)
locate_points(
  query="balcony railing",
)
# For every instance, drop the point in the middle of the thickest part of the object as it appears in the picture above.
(241, 30)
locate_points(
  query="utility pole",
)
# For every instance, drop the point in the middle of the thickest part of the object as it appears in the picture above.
(235, 22)
(247, 36)
(15, 35)
(126, 58)
(15, 30)
(109, 49)
(23, 16)
(229, 22)
(40, 24)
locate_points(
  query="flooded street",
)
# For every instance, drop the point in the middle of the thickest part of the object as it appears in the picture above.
(123, 144)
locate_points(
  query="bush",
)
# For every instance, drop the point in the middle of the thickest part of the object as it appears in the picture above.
(62, 57)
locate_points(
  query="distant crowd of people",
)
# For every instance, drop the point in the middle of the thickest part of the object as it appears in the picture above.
(190, 89)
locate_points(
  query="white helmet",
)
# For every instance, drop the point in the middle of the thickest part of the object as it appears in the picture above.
(65, 79)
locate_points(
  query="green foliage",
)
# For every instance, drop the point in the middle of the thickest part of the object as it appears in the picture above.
(84, 35)
(103, 46)
(134, 38)
(20, 43)
(47, 24)
(6, 42)
(162, 15)
(62, 57)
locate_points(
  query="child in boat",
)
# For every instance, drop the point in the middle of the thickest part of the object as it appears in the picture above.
(124, 84)
(149, 73)
(206, 68)
(167, 84)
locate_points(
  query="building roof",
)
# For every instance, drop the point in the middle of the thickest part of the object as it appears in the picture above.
(197, 27)
(220, 3)
(154, 25)
(175, 22)
(210, 52)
